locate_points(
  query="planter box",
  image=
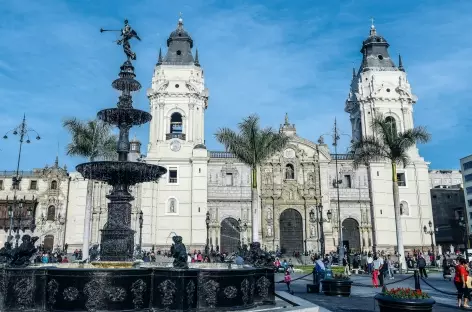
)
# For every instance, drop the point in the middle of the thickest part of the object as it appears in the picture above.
(389, 304)
(336, 287)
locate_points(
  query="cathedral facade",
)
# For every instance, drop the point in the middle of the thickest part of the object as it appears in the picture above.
(308, 196)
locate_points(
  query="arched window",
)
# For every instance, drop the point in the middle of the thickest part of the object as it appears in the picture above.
(289, 172)
(176, 123)
(392, 122)
(54, 185)
(51, 213)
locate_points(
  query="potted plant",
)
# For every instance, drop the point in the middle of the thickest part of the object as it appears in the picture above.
(404, 299)
(338, 285)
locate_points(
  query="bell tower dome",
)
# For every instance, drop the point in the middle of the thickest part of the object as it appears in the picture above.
(379, 86)
(178, 100)
(177, 96)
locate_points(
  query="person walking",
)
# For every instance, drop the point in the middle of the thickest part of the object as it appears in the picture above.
(375, 273)
(288, 280)
(422, 266)
(346, 266)
(460, 281)
(390, 267)
(370, 262)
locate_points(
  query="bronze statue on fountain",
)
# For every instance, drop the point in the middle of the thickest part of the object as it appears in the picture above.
(20, 256)
(117, 237)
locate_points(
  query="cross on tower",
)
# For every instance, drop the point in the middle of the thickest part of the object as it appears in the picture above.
(372, 22)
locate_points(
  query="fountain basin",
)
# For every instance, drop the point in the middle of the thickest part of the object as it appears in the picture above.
(58, 288)
(121, 172)
(129, 116)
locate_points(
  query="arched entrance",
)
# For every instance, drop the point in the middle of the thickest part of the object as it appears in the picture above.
(229, 241)
(351, 235)
(48, 244)
(291, 231)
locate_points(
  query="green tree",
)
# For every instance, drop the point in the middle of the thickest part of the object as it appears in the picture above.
(93, 140)
(252, 146)
(388, 144)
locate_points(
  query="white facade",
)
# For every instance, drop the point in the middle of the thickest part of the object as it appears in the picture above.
(293, 183)
(380, 87)
(445, 178)
(50, 186)
(466, 169)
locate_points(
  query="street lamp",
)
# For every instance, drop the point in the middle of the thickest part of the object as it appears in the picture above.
(23, 131)
(431, 232)
(320, 220)
(140, 231)
(207, 221)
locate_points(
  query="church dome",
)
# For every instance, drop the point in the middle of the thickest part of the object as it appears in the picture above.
(375, 53)
(179, 45)
(180, 34)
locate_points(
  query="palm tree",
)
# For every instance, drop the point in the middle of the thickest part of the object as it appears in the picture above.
(92, 140)
(388, 144)
(252, 146)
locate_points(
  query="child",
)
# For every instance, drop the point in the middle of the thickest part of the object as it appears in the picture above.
(287, 280)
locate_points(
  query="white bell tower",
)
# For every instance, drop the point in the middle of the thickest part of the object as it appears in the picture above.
(178, 100)
(380, 86)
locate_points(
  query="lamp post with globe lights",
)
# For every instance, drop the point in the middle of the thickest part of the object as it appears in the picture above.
(431, 232)
(22, 131)
(140, 232)
(321, 220)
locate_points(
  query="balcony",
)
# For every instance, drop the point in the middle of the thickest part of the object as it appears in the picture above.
(180, 136)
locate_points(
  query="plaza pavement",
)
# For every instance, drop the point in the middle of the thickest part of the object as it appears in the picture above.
(362, 297)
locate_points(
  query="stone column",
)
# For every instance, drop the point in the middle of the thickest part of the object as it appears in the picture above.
(161, 123)
(369, 241)
(184, 125)
(191, 121)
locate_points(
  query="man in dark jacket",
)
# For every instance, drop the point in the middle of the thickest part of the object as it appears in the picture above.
(422, 266)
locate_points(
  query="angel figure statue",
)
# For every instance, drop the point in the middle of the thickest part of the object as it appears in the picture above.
(127, 33)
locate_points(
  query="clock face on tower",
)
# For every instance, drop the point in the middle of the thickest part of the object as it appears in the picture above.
(175, 145)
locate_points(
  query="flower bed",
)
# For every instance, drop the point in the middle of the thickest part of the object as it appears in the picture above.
(404, 299)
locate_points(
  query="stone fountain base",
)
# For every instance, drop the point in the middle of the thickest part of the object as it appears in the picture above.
(139, 289)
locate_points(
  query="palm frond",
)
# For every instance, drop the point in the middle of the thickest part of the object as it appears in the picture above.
(269, 142)
(252, 145)
(369, 149)
(90, 139)
(410, 137)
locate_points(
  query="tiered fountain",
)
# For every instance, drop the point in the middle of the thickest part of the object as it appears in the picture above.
(113, 283)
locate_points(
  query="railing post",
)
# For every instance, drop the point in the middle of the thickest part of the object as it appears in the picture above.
(416, 276)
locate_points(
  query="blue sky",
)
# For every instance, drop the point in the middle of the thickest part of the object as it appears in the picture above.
(265, 57)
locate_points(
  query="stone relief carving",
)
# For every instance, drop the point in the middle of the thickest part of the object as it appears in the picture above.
(167, 289)
(263, 284)
(269, 231)
(230, 292)
(94, 292)
(190, 293)
(267, 178)
(138, 288)
(245, 290)
(269, 213)
(211, 291)
(53, 287)
(70, 294)
(116, 294)
(23, 288)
